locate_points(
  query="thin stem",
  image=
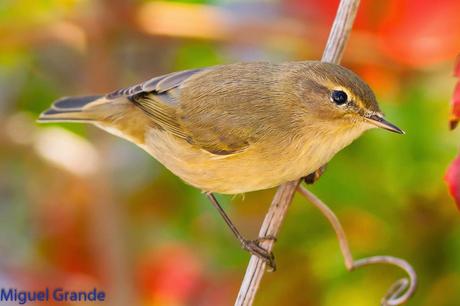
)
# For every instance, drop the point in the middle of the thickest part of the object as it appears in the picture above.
(270, 228)
(340, 31)
(338, 37)
(402, 290)
(334, 221)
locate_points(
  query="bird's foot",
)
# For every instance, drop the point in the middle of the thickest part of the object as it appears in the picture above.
(313, 177)
(253, 247)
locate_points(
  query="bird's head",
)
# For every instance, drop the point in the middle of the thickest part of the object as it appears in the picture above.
(337, 96)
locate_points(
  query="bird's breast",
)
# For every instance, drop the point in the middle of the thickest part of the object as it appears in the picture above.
(262, 165)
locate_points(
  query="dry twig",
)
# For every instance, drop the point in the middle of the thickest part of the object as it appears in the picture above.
(402, 290)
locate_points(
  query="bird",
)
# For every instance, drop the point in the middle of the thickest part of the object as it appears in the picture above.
(236, 128)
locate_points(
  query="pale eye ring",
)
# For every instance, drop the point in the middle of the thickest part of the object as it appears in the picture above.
(339, 97)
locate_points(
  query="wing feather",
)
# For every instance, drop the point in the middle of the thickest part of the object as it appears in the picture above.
(158, 84)
(157, 97)
(183, 111)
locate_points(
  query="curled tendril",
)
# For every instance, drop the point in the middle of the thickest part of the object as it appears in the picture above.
(402, 290)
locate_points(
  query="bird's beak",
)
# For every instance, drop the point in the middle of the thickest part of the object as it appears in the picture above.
(380, 122)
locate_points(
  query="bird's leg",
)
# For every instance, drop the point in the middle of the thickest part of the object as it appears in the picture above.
(252, 246)
(313, 177)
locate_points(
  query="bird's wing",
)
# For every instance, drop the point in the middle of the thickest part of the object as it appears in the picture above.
(157, 85)
(157, 97)
(221, 131)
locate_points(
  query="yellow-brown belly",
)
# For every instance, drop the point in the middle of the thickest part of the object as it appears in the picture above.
(260, 166)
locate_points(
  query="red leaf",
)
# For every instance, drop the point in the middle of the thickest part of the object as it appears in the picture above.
(457, 67)
(455, 115)
(452, 178)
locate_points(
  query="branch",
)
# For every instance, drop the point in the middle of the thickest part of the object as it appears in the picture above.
(270, 227)
(402, 290)
(333, 53)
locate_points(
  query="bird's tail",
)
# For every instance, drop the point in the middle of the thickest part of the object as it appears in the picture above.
(73, 109)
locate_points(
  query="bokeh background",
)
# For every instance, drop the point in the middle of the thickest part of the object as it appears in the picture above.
(80, 208)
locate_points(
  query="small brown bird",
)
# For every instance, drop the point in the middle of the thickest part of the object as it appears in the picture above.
(239, 127)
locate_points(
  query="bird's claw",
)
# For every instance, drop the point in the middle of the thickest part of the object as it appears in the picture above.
(313, 177)
(253, 247)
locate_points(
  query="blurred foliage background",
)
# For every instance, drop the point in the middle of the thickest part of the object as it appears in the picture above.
(81, 209)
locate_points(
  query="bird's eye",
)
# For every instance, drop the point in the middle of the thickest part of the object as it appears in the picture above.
(339, 97)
